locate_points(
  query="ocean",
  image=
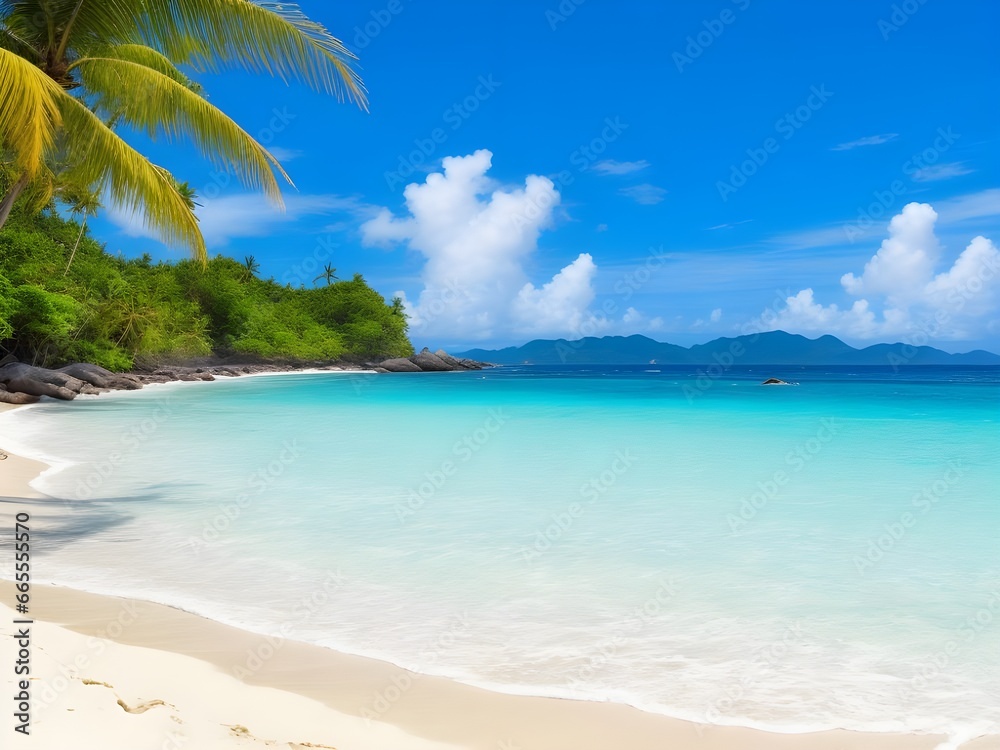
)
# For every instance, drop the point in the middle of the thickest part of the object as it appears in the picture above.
(792, 558)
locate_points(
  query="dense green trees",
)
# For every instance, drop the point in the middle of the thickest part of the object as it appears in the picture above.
(116, 312)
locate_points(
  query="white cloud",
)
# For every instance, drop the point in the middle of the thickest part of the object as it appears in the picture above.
(476, 236)
(716, 315)
(970, 206)
(942, 172)
(602, 227)
(249, 215)
(645, 194)
(904, 262)
(561, 304)
(868, 140)
(899, 292)
(611, 166)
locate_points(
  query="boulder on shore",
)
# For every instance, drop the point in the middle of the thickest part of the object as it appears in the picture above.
(400, 365)
(6, 397)
(427, 361)
(430, 362)
(18, 377)
(100, 378)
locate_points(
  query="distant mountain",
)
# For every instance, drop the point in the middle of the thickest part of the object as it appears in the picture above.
(772, 348)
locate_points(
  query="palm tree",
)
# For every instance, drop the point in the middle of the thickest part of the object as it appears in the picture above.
(85, 202)
(251, 267)
(71, 70)
(329, 273)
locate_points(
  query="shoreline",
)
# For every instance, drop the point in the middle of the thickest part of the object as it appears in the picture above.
(370, 702)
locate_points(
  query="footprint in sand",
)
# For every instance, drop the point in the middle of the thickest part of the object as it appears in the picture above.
(141, 708)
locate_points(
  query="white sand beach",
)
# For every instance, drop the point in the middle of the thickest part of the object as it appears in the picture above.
(112, 673)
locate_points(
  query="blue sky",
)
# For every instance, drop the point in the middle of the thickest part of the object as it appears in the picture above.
(681, 170)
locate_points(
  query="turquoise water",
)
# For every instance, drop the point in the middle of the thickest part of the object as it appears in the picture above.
(791, 558)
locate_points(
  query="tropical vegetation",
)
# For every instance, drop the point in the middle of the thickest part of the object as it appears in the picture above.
(76, 78)
(121, 313)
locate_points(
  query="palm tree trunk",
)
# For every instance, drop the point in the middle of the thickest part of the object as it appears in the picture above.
(83, 228)
(12, 195)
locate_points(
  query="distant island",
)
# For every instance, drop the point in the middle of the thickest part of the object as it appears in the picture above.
(771, 348)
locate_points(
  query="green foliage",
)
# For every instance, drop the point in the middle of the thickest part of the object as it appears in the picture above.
(115, 312)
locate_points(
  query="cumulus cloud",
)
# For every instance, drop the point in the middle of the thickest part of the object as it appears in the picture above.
(716, 315)
(900, 291)
(476, 237)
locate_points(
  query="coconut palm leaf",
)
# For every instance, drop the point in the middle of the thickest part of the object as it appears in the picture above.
(263, 37)
(98, 156)
(158, 103)
(29, 114)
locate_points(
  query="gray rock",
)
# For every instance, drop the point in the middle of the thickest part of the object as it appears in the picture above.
(449, 360)
(774, 381)
(400, 365)
(37, 381)
(430, 362)
(6, 397)
(100, 378)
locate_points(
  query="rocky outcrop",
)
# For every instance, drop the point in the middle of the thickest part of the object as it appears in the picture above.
(400, 365)
(17, 377)
(24, 384)
(426, 361)
(6, 397)
(101, 378)
(775, 381)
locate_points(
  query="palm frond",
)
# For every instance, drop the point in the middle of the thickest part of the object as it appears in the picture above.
(274, 38)
(157, 103)
(132, 182)
(29, 115)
